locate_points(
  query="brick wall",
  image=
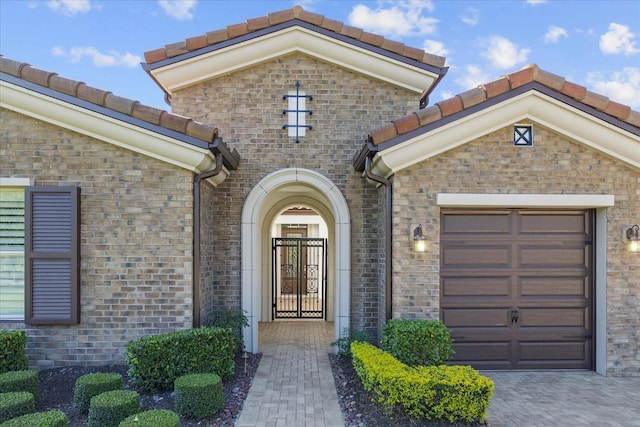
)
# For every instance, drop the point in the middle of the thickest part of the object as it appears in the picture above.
(492, 164)
(247, 107)
(136, 239)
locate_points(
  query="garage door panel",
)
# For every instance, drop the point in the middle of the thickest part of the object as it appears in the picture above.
(547, 257)
(476, 318)
(475, 286)
(532, 351)
(482, 223)
(560, 223)
(491, 352)
(557, 318)
(474, 257)
(554, 286)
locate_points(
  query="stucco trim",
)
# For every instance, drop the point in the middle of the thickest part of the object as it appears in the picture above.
(15, 182)
(542, 109)
(173, 75)
(108, 129)
(584, 201)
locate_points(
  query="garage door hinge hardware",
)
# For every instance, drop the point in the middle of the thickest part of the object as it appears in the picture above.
(514, 315)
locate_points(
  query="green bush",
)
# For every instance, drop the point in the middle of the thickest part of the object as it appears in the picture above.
(39, 419)
(152, 418)
(12, 354)
(343, 344)
(156, 361)
(442, 393)
(20, 381)
(16, 403)
(90, 385)
(417, 342)
(233, 318)
(112, 407)
(198, 395)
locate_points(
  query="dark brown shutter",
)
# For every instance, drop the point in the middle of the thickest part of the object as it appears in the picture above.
(52, 255)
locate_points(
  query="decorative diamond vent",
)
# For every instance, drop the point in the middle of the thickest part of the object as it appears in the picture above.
(523, 135)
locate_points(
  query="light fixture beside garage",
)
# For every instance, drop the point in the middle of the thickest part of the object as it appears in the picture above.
(633, 236)
(419, 241)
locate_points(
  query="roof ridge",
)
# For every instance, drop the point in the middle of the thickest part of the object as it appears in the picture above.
(106, 99)
(275, 18)
(487, 91)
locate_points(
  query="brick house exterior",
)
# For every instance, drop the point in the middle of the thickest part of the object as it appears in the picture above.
(163, 244)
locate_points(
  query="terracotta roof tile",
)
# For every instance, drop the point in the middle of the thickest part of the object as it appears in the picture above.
(297, 12)
(108, 100)
(529, 74)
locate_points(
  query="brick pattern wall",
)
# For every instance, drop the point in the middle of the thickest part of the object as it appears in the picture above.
(136, 270)
(492, 164)
(247, 107)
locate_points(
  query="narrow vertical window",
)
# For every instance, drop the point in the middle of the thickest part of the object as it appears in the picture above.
(11, 253)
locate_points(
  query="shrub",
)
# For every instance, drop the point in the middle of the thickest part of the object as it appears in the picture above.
(152, 418)
(343, 344)
(39, 419)
(12, 354)
(198, 395)
(417, 342)
(90, 385)
(156, 361)
(233, 318)
(443, 393)
(112, 407)
(20, 381)
(16, 403)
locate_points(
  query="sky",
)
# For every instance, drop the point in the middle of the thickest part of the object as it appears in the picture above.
(102, 42)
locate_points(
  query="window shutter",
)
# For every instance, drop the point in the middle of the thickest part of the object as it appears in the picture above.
(52, 255)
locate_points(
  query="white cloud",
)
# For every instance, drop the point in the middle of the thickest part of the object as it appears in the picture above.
(471, 16)
(69, 7)
(435, 47)
(472, 76)
(181, 10)
(554, 33)
(503, 53)
(111, 59)
(536, 2)
(619, 39)
(621, 86)
(404, 18)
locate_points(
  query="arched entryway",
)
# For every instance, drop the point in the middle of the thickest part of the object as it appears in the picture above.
(265, 202)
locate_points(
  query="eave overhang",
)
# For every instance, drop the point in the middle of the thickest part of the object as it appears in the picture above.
(533, 102)
(112, 127)
(293, 36)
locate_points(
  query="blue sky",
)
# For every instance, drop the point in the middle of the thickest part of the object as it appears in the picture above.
(102, 42)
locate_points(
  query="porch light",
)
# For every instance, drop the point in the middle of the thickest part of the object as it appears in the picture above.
(633, 236)
(419, 241)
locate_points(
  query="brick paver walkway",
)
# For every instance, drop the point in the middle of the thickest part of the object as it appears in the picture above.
(294, 384)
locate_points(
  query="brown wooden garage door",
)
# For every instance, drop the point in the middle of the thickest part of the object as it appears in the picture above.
(517, 288)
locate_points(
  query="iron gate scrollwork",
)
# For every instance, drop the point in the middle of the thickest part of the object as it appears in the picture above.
(299, 277)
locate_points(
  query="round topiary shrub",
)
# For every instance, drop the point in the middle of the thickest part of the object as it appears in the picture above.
(15, 404)
(20, 381)
(152, 418)
(39, 419)
(198, 395)
(90, 385)
(112, 407)
(417, 342)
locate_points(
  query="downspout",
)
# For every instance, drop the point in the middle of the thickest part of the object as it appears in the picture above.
(196, 234)
(387, 231)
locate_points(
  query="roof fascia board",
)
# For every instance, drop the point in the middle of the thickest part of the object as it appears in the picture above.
(217, 60)
(459, 129)
(110, 128)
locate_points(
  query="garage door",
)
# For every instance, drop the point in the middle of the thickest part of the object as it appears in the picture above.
(517, 288)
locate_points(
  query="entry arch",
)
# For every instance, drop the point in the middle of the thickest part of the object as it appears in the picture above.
(263, 203)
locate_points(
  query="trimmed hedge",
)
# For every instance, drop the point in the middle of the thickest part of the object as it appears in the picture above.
(16, 403)
(93, 384)
(39, 419)
(152, 418)
(198, 395)
(157, 360)
(12, 351)
(443, 393)
(20, 381)
(417, 342)
(112, 407)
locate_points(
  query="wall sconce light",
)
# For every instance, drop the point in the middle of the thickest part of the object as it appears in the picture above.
(633, 236)
(419, 241)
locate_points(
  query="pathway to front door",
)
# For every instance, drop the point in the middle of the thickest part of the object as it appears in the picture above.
(294, 384)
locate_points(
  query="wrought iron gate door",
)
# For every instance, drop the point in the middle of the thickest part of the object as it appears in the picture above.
(299, 277)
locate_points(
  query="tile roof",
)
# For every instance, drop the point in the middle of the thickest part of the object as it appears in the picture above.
(108, 100)
(295, 13)
(501, 87)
